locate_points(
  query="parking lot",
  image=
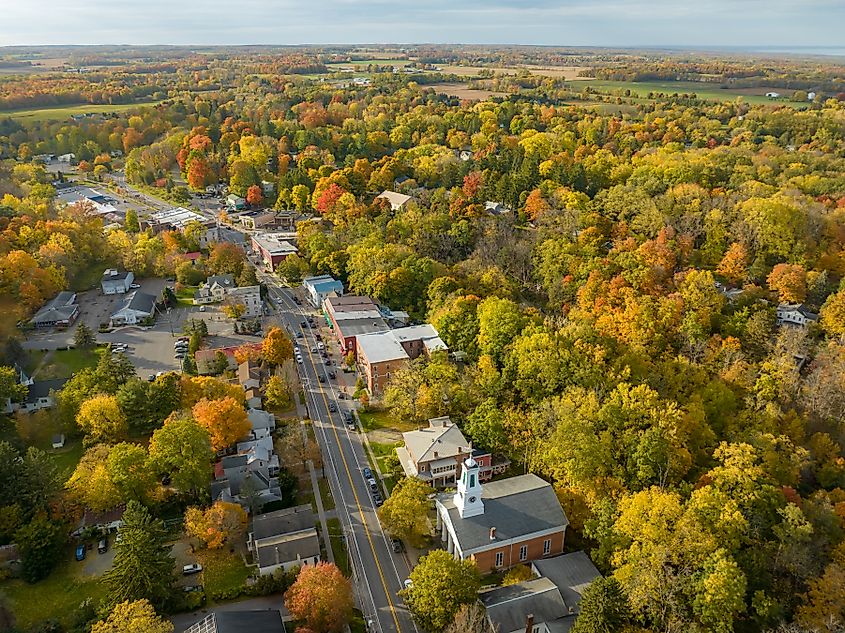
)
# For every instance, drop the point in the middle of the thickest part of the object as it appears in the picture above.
(149, 348)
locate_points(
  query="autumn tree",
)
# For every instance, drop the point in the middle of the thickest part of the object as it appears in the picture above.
(133, 617)
(277, 347)
(91, 482)
(405, 512)
(225, 420)
(214, 526)
(832, 315)
(789, 281)
(470, 618)
(278, 393)
(440, 585)
(254, 196)
(101, 419)
(603, 608)
(181, 450)
(321, 597)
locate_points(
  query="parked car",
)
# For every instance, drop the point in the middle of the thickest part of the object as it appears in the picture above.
(313, 350)
(103, 546)
(321, 378)
(300, 335)
(303, 324)
(377, 499)
(202, 308)
(396, 545)
(80, 552)
(193, 568)
(191, 588)
(332, 375)
(136, 286)
(328, 361)
(368, 474)
(332, 406)
(320, 346)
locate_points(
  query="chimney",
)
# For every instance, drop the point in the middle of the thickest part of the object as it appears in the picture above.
(492, 533)
(529, 623)
(435, 454)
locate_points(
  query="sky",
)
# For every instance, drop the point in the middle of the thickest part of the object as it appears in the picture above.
(764, 24)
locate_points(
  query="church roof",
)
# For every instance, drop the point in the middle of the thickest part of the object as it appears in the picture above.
(518, 507)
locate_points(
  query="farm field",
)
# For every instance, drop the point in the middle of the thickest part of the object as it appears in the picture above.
(570, 73)
(65, 112)
(463, 91)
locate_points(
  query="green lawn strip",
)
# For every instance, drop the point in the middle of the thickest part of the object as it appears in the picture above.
(373, 420)
(338, 543)
(66, 459)
(185, 295)
(55, 597)
(221, 571)
(63, 363)
(326, 494)
(376, 454)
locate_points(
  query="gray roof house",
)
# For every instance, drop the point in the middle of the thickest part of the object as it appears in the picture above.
(259, 621)
(248, 477)
(116, 281)
(284, 539)
(263, 423)
(319, 288)
(549, 601)
(795, 314)
(136, 307)
(214, 289)
(61, 310)
(502, 523)
(39, 395)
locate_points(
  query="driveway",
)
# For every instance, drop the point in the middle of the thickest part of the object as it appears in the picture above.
(96, 564)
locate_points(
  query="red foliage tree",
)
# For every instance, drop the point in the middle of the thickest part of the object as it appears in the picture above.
(254, 195)
(329, 198)
(198, 172)
(321, 597)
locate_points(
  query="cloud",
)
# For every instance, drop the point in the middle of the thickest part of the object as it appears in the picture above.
(547, 22)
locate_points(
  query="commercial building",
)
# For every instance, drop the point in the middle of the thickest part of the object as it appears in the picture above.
(381, 354)
(273, 248)
(135, 308)
(257, 219)
(60, 311)
(319, 288)
(247, 296)
(180, 218)
(115, 282)
(502, 523)
(351, 316)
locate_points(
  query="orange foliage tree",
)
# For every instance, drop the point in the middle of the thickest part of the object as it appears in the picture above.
(217, 524)
(225, 420)
(789, 281)
(254, 195)
(277, 347)
(734, 265)
(321, 597)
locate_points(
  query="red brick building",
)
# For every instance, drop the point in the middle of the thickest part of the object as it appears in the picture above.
(502, 523)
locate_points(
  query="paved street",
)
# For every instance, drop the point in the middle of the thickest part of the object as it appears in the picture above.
(378, 573)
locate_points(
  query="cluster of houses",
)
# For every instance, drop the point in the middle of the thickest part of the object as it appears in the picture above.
(247, 474)
(222, 288)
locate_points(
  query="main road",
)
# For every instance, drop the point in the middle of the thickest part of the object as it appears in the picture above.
(378, 572)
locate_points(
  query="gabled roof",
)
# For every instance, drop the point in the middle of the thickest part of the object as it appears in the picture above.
(395, 199)
(42, 388)
(226, 281)
(302, 545)
(140, 302)
(60, 308)
(508, 607)
(285, 521)
(441, 437)
(248, 370)
(517, 507)
(571, 573)
(380, 347)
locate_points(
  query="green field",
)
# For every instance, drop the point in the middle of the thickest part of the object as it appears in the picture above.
(65, 112)
(63, 363)
(709, 92)
(222, 571)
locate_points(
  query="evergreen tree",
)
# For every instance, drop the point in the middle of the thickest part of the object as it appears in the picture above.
(143, 566)
(40, 544)
(603, 608)
(84, 337)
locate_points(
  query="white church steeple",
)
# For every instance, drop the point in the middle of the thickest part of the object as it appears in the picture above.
(468, 497)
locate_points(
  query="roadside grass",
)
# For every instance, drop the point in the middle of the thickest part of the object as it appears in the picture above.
(55, 597)
(357, 625)
(374, 420)
(338, 544)
(378, 452)
(326, 494)
(222, 571)
(62, 113)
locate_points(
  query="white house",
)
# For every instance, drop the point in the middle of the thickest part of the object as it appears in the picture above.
(136, 307)
(320, 287)
(397, 200)
(116, 281)
(214, 289)
(284, 539)
(795, 314)
(66, 158)
(247, 296)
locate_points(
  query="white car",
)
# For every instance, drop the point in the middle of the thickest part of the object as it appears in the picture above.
(193, 568)
(136, 286)
(320, 346)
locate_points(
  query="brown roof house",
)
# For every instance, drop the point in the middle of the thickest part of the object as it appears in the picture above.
(502, 523)
(433, 454)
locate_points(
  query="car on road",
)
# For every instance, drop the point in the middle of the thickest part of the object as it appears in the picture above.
(332, 375)
(202, 308)
(193, 568)
(299, 359)
(332, 405)
(320, 346)
(300, 335)
(396, 545)
(182, 339)
(318, 336)
(303, 324)
(103, 546)
(313, 350)
(179, 356)
(377, 499)
(368, 474)
(80, 552)
(321, 378)
(328, 361)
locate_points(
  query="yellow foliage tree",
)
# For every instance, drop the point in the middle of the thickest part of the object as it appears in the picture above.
(215, 525)
(133, 617)
(100, 418)
(277, 347)
(224, 418)
(91, 483)
(195, 388)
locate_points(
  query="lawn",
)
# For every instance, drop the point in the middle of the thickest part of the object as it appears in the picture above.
(338, 543)
(185, 295)
(373, 420)
(379, 451)
(222, 571)
(88, 278)
(63, 363)
(55, 597)
(62, 113)
(66, 459)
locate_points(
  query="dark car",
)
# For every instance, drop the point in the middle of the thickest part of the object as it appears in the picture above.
(332, 375)
(378, 500)
(300, 335)
(396, 545)
(332, 406)
(303, 324)
(103, 546)
(317, 336)
(328, 361)
(321, 378)
(368, 474)
(80, 552)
